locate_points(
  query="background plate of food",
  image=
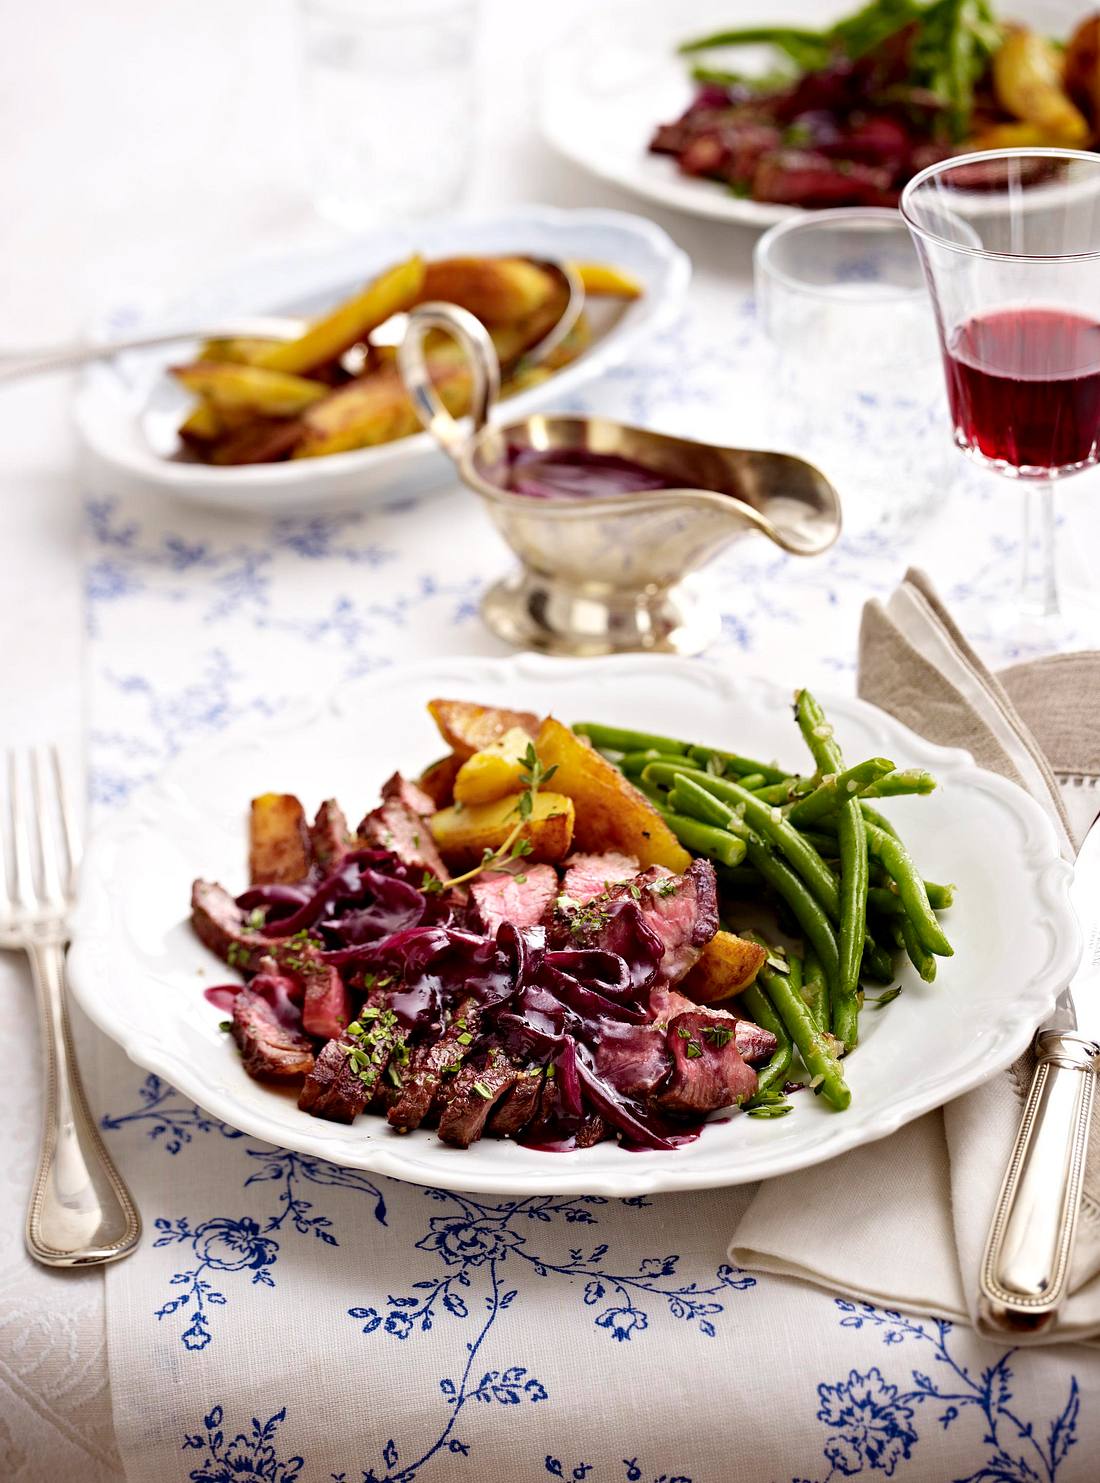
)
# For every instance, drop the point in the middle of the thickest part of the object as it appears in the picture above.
(808, 104)
(615, 997)
(324, 422)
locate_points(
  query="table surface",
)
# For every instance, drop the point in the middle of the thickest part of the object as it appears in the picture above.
(141, 167)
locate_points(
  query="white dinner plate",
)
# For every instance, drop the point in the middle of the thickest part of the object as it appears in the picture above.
(139, 972)
(608, 85)
(128, 409)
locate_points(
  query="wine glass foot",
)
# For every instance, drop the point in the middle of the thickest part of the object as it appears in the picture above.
(1015, 634)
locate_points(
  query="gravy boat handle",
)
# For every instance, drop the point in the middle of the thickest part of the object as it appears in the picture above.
(481, 356)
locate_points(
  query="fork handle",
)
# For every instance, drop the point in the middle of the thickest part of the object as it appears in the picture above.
(80, 1212)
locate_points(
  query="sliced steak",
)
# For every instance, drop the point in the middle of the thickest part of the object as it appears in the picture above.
(329, 841)
(587, 876)
(326, 1008)
(395, 827)
(753, 1042)
(634, 1059)
(592, 1130)
(332, 1089)
(272, 1049)
(430, 1064)
(219, 923)
(707, 1072)
(412, 795)
(476, 1091)
(517, 1108)
(681, 909)
(519, 893)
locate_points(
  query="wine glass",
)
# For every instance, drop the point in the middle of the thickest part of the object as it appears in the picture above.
(1010, 245)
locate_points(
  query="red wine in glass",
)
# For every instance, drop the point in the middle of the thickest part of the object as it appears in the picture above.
(1024, 389)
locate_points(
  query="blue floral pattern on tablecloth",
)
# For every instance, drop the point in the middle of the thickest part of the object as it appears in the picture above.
(477, 1338)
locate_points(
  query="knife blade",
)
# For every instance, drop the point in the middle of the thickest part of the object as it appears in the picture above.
(1024, 1276)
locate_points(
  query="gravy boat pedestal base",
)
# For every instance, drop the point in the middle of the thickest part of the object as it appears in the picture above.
(605, 573)
(584, 620)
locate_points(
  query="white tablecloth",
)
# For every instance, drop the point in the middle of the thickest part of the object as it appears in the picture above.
(569, 1340)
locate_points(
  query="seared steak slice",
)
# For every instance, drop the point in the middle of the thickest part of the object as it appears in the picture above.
(394, 826)
(332, 1089)
(431, 1064)
(681, 909)
(326, 1009)
(518, 893)
(587, 876)
(517, 1108)
(592, 1130)
(328, 836)
(634, 1059)
(219, 923)
(415, 799)
(476, 1091)
(707, 1072)
(753, 1042)
(271, 1048)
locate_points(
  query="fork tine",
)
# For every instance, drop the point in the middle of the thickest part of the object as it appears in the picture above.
(70, 835)
(45, 830)
(21, 884)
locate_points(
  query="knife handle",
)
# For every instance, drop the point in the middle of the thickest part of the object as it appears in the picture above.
(1025, 1269)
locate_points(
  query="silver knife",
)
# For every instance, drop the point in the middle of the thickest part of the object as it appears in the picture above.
(1024, 1274)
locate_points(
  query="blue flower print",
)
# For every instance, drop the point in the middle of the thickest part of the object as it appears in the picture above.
(622, 1321)
(874, 1425)
(232, 1245)
(466, 1242)
(245, 1458)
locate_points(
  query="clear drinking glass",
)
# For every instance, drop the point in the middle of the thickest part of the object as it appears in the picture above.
(858, 390)
(1010, 244)
(389, 103)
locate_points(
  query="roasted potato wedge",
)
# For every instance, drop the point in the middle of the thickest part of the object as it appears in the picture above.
(249, 388)
(729, 964)
(373, 409)
(239, 351)
(278, 840)
(438, 779)
(611, 813)
(496, 289)
(1027, 79)
(604, 281)
(396, 289)
(202, 425)
(463, 834)
(495, 771)
(468, 728)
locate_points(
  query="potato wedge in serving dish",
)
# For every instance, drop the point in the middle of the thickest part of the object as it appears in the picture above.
(267, 401)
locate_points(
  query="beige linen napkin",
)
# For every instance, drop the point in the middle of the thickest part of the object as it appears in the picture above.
(914, 1237)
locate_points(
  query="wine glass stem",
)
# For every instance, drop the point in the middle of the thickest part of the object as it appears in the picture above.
(1039, 579)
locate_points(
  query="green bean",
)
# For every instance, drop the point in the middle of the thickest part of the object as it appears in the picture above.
(752, 781)
(896, 858)
(852, 837)
(760, 1011)
(880, 821)
(814, 1045)
(733, 762)
(701, 803)
(633, 763)
(784, 792)
(940, 898)
(911, 780)
(905, 936)
(852, 782)
(618, 739)
(877, 962)
(704, 839)
(815, 991)
(767, 822)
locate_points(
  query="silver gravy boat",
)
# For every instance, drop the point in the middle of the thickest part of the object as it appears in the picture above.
(605, 574)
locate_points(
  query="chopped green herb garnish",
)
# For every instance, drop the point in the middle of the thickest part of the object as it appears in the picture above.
(225, 1025)
(693, 1050)
(256, 918)
(465, 1038)
(239, 956)
(718, 1035)
(483, 1091)
(880, 1001)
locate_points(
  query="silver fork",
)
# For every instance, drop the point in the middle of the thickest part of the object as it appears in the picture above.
(80, 1212)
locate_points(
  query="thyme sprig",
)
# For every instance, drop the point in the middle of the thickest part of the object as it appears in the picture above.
(532, 775)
